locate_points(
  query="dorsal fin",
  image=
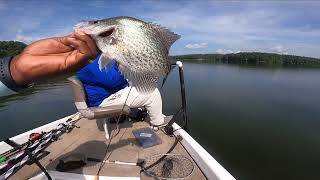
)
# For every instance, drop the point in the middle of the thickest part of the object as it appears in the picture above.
(168, 36)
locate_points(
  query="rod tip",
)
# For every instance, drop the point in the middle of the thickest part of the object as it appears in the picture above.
(179, 63)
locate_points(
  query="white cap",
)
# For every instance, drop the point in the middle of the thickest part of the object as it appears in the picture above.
(179, 63)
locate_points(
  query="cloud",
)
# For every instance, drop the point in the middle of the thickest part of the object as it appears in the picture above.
(23, 38)
(226, 51)
(197, 45)
(229, 26)
(248, 26)
(279, 49)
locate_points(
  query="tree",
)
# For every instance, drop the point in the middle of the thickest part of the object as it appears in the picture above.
(11, 48)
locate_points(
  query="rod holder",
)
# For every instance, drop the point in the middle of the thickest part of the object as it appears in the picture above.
(169, 129)
(183, 95)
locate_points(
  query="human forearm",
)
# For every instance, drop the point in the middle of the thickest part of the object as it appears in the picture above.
(35, 68)
(44, 59)
(50, 57)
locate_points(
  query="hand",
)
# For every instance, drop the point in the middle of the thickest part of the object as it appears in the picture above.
(49, 57)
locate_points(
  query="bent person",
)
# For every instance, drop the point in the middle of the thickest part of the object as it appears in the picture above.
(109, 87)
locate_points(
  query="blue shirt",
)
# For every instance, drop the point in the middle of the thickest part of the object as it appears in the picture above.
(99, 85)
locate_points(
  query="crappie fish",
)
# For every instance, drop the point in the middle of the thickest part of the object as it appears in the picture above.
(140, 49)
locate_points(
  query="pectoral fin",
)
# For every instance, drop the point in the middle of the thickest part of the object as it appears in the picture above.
(103, 62)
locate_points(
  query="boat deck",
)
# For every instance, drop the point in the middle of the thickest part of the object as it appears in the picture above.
(90, 140)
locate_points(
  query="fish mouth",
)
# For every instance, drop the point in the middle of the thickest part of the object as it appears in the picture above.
(106, 33)
(90, 27)
(82, 25)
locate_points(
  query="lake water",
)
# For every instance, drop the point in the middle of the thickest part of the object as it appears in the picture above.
(259, 123)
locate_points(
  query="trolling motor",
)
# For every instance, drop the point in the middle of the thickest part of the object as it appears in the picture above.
(169, 129)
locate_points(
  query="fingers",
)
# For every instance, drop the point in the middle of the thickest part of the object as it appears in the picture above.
(80, 54)
(48, 46)
(80, 45)
(67, 41)
(88, 40)
(81, 42)
(53, 56)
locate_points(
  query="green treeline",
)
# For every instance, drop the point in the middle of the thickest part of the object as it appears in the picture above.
(11, 48)
(250, 58)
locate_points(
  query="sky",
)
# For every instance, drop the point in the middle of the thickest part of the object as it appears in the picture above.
(284, 27)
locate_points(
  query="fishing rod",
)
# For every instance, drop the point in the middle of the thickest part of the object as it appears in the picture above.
(183, 95)
(34, 137)
(22, 154)
(183, 109)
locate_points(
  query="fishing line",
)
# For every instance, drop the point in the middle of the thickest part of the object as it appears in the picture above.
(117, 125)
(112, 135)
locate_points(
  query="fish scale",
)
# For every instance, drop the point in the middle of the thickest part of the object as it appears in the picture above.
(140, 48)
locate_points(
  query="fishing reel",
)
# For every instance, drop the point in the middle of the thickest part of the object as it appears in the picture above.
(169, 130)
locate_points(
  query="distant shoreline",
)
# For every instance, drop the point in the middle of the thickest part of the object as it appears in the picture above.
(251, 58)
(11, 48)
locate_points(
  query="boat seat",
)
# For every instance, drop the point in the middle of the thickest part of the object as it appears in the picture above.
(103, 113)
(92, 112)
